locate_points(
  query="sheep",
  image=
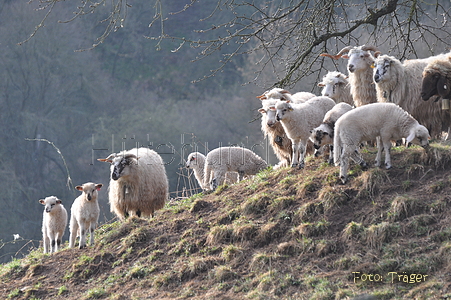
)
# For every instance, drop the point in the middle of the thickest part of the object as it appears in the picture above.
(196, 161)
(437, 79)
(230, 159)
(299, 119)
(138, 185)
(282, 94)
(85, 213)
(385, 120)
(400, 83)
(360, 73)
(336, 86)
(324, 133)
(54, 221)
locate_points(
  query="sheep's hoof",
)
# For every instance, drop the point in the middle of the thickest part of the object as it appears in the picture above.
(344, 179)
(330, 161)
(294, 165)
(301, 166)
(377, 164)
(387, 166)
(82, 246)
(364, 165)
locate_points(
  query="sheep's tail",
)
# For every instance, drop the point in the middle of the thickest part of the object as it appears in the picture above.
(337, 148)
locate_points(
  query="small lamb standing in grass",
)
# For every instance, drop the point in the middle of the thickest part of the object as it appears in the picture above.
(231, 159)
(299, 119)
(196, 161)
(54, 223)
(85, 213)
(365, 123)
(324, 133)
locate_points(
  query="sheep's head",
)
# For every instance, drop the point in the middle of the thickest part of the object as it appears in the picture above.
(90, 190)
(383, 68)
(120, 164)
(282, 109)
(275, 93)
(194, 159)
(49, 203)
(269, 110)
(419, 135)
(332, 84)
(320, 136)
(437, 79)
(360, 58)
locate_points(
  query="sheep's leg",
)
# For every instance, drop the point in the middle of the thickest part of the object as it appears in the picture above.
(46, 242)
(240, 175)
(91, 234)
(51, 237)
(387, 146)
(73, 232)
(302, 149)
(379, 152)
(331, 155)
(82, 236)
(357, 158)
(58, 241)
(344, 163)
(295, 159)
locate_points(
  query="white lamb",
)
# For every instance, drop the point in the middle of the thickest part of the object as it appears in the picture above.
(85, 213)
(324, 133)
(299, 119)
(196, 161)
(54, 221)
(231, 159)
(400, 83)
(385, 120)
(336, 86)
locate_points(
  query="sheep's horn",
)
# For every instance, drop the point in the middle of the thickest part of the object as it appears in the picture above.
(370, 48)
(339, 54)
(262, 97)
(285, 92)
(330, 55)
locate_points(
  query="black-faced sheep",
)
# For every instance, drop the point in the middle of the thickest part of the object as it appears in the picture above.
(360, 73)
(437, 79)
(138, 185)
(324, 133)
(299, 119)
(335, 85)
(400, 83)
(196, 161)
(231, 159)
(84, 214)
(54, 221)
(385, 120)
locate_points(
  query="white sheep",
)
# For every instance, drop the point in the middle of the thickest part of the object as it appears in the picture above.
(84, 214)
(230, 159)
(385, 120)
(324, 133)
(335, 85)
(284, 95)
(196, 161)
(400, 83)
(138, 185)
(360, 72)
(299, 119)
(54, 221)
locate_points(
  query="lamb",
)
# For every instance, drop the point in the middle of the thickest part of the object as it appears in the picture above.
(231, 159)
(54, 221)
(437, 79)
(85, 213)
(138, 185)
(324, 133)
(196, 161)
(360, 73)
(400, 83)
(385, 120)
(336, 86)
(299, 119)
(284, 95)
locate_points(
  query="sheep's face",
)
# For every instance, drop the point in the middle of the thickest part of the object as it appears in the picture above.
(382, 68)
(271, 116)
(419, 135)
(90, 190)
(121, 166)
(434, 84)
(320, 137)
(193, 159)
(332, 88)
(359, 60)
(50, 203)
(282, 109)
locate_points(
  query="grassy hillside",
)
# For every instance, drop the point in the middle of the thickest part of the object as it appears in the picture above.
(285, 234)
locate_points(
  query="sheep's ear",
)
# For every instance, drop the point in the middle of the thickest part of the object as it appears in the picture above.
(79, 187)
(42, 201)
(58, 201)
(288, 101)
(290, 108)
(99, 186)
(321, 84)
(262, 111)
(411, 136)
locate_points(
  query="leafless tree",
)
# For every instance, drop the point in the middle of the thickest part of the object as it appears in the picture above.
(286, 37)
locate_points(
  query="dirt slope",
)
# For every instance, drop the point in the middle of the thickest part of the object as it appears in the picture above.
(286, 234)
